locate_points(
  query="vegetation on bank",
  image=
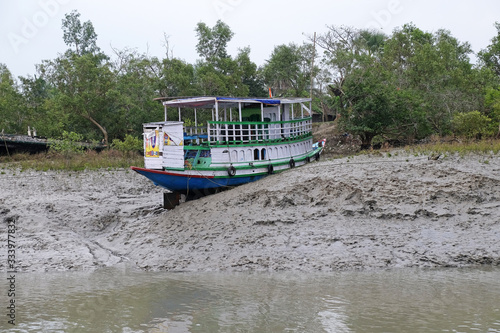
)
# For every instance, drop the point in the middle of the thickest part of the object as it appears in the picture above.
(407, 86)
(69, 154)
(87, 160)
(124, 154)
(463, 148)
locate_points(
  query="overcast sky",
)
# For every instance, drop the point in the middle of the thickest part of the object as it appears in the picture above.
(31, 29)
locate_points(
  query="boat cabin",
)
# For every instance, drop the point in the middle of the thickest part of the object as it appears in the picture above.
(241, 131)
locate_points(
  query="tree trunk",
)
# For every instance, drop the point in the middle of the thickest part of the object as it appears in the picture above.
(366, 140)
(102, 129)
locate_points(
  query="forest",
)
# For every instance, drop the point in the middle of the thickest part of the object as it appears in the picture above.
(406, 86)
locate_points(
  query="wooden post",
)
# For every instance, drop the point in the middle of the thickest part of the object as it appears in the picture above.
(171, 199)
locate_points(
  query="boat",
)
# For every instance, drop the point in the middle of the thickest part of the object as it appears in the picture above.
(19, 143)
(245, 140)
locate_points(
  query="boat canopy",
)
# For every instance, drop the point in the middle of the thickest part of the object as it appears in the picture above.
(209, 102)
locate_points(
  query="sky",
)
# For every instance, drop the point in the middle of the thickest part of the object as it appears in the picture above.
(30, 30)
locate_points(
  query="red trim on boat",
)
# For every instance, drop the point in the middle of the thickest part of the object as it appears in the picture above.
(161, 172)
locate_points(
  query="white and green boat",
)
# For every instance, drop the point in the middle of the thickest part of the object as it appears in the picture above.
(247, 139)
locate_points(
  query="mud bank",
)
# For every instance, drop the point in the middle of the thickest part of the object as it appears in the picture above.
(360, 213)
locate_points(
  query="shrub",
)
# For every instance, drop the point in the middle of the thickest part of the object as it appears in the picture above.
(130, 143)
(70, 143)
(471, 124)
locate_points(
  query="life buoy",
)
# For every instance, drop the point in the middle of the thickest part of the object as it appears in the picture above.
(270, 169)
(291, 163)
(231, 171)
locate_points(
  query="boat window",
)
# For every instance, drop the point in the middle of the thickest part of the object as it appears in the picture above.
(249, 155)
(263, 154)
(256, 154)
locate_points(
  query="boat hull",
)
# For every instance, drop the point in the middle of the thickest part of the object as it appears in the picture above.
(198, 184)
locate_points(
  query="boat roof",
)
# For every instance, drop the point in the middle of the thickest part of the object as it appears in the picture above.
(210, 101)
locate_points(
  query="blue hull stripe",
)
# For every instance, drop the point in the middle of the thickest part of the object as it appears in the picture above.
(185, 183)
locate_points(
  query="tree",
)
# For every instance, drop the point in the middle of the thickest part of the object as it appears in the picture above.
(376, 105)
(437, 68)
(79, 35)
(37, 94)
(82, 86)
(490, 56)
(408, 85)
(178, 78)
(288, 70)
(212, 42)
(249, 74)
(217, 73)
(471, 124)
(342, 47)
(138, 79)
(12, 110)
(493, 104)
(82, 81)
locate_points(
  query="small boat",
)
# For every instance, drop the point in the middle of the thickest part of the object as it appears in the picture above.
(15, 143)
(245, 140)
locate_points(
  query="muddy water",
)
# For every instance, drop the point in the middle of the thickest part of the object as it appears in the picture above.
(122, 300)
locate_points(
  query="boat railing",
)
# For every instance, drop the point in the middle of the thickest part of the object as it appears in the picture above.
(221, 132)
(195, 130)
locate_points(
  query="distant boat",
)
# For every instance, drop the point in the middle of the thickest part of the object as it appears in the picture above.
(18, 143)
(15, 143)
(246, 140)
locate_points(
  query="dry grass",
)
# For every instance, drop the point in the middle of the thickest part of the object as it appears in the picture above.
(89, 160)
(490, 146)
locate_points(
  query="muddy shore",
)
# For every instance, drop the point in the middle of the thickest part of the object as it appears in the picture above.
(366, 212)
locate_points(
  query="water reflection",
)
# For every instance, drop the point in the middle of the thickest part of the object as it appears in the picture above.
(121, 300)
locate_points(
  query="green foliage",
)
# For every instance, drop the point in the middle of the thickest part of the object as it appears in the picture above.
(408, 85)
(288, 71)
(471, 124)
(13, 115)
(490, 56)
(84, 93)
(218, 73)
(80, 35)
(212, 42)
(70, 143)
(492, 101)
(130, 143)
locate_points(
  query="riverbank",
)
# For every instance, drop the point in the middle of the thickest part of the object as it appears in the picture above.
(365, 212)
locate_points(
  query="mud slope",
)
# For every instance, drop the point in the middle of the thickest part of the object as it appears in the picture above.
(359, 213)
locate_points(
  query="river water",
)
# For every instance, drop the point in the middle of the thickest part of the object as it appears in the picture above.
(124, 300)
